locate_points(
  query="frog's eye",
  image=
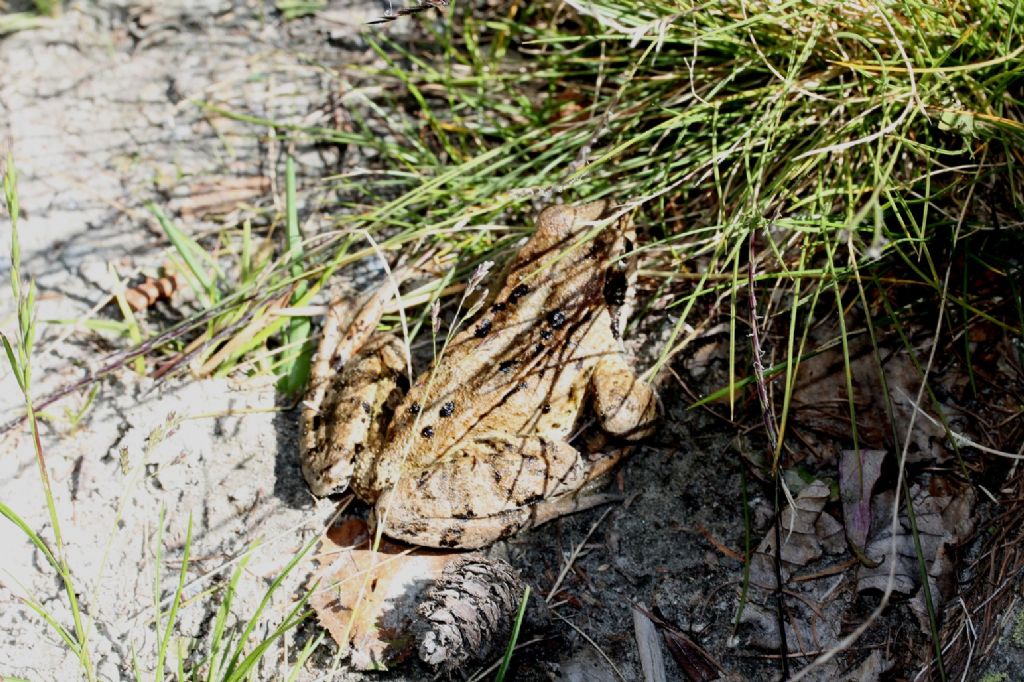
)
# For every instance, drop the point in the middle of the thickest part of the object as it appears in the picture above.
(615, 285)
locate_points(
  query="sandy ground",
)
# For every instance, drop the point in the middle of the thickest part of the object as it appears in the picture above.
(97, 109)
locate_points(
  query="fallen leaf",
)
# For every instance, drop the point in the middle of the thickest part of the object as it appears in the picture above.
(367, 599)
(858, 473)
(943, 521)
(821, 401)
(807, 533)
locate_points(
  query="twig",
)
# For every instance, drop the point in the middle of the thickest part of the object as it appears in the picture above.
(591, 642)
(422, 6)
(575, 553)
(768, 414)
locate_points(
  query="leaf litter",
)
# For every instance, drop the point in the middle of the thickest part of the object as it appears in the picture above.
(384, 605)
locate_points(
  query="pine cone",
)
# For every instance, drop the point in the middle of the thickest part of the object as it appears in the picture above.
(469, 614)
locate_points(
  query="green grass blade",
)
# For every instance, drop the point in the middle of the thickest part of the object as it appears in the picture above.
(186, 247)
(172, 613)
(511, 647)
(297, 361)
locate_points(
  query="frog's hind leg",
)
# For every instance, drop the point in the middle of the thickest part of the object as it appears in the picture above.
(488, 489)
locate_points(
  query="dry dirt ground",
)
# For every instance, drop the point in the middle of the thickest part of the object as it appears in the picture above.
(99, 111)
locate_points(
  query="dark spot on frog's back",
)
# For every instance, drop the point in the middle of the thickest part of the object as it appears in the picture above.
(521, 386)
(546, 334)
(546, 408)
(447, 409)
(518, 293)
(615, 287)
(506, 365)
(414, 409)
(556, 318)
(483, 329)
(498, 307)
(451, 537)
(366, 407)
(427, 432)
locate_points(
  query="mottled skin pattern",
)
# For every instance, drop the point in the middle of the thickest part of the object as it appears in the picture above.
(478, 447)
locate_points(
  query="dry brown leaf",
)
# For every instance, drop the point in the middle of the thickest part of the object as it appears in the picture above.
(858, 473)
(807, 533)
(367, 600)
(821, 407)
(943, 514)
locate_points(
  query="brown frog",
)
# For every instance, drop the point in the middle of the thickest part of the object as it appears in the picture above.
(478, 447)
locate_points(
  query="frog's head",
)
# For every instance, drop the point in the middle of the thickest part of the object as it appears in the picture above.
(559, 225)
(561, 241)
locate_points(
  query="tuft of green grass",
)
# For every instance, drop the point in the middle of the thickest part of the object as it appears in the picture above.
(234, 654)
(834, 133)
(165, 640)
(231, 657)
(296, 361)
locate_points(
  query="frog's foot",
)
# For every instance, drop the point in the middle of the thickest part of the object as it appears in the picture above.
(347, 427)
(626, 406)
(493, 487)
(549, 510)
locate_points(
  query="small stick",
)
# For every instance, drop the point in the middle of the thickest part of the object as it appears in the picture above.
(422, 6)
(769, 427)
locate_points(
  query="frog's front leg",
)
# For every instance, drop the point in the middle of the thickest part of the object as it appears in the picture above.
(487, 489)
(354, 384)
(341, 437)
(625, 406)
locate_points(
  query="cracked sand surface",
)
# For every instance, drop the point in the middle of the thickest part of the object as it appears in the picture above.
(98, 110)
